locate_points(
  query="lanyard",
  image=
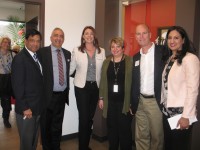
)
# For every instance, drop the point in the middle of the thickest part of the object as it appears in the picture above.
(116, 69)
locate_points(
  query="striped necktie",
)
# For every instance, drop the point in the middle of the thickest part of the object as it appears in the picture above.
(36, 60)
(60, 68)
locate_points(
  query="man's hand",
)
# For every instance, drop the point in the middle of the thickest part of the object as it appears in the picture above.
(27, 113)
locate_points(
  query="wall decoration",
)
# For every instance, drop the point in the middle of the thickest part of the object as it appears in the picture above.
(162, 32)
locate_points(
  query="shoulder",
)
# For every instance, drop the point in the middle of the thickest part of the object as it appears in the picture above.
(158, 47)
(66, 51)
(136, 56)
(190, 58)
(20, 56)
(75, 50)
(127, 57)
(108, 59)
(44, 49)
(102, 50)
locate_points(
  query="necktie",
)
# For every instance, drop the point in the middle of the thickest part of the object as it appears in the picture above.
(36, 60)
(60, 68)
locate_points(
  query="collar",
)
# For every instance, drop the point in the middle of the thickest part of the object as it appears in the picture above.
(54, 49)
(149, 50)
(30, 52)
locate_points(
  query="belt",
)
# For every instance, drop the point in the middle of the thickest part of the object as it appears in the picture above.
(147, 96)
(91, 82)
(58, 92)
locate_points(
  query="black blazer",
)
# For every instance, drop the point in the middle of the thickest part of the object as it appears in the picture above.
(158, 68)
(27, 83)
(45, 56)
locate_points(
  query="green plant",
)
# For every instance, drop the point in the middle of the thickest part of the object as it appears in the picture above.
(17, 30)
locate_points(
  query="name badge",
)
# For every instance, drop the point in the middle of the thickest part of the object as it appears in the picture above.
(115, 88)
(137, 63)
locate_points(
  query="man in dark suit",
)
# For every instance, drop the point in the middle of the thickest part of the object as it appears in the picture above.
(146, 90)
(27, 83)
(55, 63)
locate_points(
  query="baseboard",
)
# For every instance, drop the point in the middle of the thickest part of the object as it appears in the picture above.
(75, 135)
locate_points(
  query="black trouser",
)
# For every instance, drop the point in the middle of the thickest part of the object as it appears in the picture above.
(51, 122)
(6, 106)
(119, 127)
(176, 139)
(86, 99)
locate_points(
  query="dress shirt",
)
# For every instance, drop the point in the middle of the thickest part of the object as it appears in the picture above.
(147, 71)
(57, 87)
(91, 71)
(31, 53)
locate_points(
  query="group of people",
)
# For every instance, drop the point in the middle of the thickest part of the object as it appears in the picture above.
(158, 83)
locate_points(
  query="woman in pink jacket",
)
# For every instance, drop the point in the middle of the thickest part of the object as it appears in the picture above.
(180, 82)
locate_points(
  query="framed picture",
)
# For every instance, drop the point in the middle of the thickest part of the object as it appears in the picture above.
(162, 32)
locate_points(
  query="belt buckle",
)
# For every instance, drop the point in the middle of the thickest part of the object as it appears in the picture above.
(147, 96)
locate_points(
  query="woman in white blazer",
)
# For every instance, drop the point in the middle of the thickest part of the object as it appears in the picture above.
(87, 61)
(180, 83)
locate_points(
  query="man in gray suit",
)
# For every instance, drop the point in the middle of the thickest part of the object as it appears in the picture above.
(27, 83)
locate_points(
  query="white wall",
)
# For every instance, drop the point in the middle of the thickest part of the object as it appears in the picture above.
(72, 17)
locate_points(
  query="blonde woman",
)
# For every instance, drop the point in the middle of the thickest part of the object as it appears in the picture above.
(114, 96)
(6, 57)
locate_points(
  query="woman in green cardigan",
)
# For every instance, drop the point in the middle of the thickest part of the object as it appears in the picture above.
(114, 96)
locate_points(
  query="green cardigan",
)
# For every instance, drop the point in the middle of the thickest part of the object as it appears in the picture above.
(103, 87)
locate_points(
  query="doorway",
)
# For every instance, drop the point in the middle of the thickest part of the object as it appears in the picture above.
(30, 12)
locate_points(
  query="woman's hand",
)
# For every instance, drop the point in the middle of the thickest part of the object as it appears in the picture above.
(100, 104)
(183, 123)
(130, 110)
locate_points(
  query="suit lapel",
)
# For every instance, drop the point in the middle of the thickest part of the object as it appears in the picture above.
(49, 63)
(31, 60)
(157, 58)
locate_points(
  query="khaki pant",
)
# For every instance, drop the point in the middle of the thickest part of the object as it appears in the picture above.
(149, 127)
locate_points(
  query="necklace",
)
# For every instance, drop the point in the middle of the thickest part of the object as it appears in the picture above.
(116, 68)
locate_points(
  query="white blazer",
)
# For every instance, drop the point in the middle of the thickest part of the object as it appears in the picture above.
(183, 83)
(79, 62)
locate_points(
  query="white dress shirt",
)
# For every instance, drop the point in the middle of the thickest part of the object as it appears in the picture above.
(147, 71)
(31, 53)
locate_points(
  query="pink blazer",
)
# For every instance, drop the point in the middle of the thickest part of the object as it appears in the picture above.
(183, 84)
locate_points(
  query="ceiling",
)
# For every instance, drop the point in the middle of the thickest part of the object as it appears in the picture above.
(11, 5)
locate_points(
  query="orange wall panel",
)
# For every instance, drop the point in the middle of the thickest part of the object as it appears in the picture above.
(155, 13)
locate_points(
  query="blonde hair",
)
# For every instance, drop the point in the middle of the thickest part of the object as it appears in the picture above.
(16, 48)
(117, 40)
(5, 38)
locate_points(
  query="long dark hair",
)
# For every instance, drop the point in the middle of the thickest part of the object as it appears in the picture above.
(96, 43)
(186, 47)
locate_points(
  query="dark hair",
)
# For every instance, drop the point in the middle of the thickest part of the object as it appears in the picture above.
(32, 32)
(96, 43)
(186, 47)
